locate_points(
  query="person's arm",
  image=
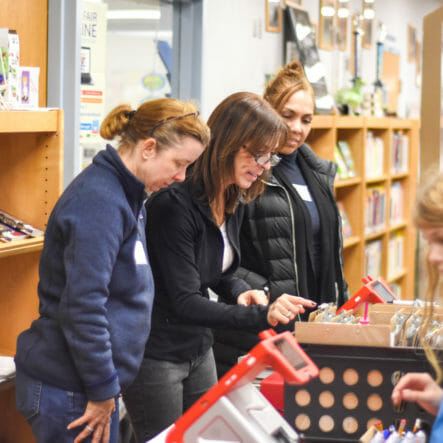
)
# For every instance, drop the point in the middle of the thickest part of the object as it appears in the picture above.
(172, 236)
(93, 227)
(420, 388)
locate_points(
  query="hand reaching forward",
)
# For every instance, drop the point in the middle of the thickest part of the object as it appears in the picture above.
(421, 388)
(252, 297)
(286, 307)
(97, 419)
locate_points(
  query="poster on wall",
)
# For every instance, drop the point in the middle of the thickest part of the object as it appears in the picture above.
(92, 91)
(301, 44)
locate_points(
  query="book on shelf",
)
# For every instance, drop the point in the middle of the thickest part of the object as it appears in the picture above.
(11, 228)
(396, 203)
(346, 154)
(345, 224)
(374, 156)
(342, 169)
(375, 209)
(395, 255)
(399, 153)
(373, 258)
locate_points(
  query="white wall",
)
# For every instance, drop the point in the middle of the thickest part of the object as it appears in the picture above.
(238, 52)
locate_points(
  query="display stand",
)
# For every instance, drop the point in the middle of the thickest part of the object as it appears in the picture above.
(234, 410)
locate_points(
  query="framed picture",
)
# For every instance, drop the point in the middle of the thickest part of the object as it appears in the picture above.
(342, 14)
(327, 30)
(301, 44)
(342, 33)
(273, 16)
(412, 43)
(417, 64)
(294, 3)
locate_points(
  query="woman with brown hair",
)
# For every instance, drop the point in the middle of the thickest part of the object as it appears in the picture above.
(96, 286)
(291, 240)
(192, 236)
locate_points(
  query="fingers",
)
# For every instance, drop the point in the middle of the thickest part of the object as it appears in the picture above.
(96, 421)
(286, 307)
(252, 297)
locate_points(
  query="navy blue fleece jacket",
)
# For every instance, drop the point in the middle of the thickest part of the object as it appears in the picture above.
(96, 287)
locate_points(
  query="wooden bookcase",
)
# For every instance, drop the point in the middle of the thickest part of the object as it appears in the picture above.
(326, 132)
(31, 165)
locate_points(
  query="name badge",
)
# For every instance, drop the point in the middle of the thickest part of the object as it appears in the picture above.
(139, 254)
(303, 192)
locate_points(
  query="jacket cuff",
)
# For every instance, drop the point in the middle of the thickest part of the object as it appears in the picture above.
(103, 391)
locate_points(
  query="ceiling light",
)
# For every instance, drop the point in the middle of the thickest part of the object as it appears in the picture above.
(133, 14)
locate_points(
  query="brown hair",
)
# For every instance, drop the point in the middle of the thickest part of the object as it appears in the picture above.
(132, 126)
(429, 214)
(288, 80)
(240, 119)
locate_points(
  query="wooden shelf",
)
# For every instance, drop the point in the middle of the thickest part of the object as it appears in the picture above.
(351, 241)
(353, 193)
(21, 246)
(347, 182)
(28, 121)
(31, 170)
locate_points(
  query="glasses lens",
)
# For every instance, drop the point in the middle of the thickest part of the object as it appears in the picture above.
(263, 159)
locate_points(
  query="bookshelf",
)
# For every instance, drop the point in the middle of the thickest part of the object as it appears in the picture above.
(385, 153)
(31, 150)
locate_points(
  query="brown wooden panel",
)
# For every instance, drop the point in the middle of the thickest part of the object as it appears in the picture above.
(30, 20)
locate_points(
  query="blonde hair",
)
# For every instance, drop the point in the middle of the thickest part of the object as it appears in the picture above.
(288, 80)
(171, 119)
(429, 214)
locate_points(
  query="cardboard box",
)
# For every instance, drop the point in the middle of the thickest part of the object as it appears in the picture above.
(343, 334)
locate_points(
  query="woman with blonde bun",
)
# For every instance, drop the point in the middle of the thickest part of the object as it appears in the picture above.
(96, 287)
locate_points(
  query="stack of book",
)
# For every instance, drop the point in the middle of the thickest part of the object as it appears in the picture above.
(11, 229)
(346, 225)
(373, 258)
(374, 156)
(396, 208)
(395, 255)
(375, 209)
(345, 161)
(399, 153)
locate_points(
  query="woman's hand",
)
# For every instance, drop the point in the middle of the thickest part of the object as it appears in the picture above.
(421, 388)
(286, 307)
(97, 418)
(252, 297)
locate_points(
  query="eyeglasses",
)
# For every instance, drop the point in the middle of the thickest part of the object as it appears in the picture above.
(264, 159)
(170, 119)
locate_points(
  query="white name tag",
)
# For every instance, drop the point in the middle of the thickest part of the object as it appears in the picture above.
(139, 254)
(303, 192)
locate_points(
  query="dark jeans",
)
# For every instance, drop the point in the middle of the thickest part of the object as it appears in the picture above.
(163, 390)
(49, 410)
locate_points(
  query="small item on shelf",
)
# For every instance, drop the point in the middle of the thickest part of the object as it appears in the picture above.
(8, 234)
(18, 225)
(346, 225)
(346, 153)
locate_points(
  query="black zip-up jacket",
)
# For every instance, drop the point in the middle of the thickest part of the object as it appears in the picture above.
(268, 254)
(186, 250)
